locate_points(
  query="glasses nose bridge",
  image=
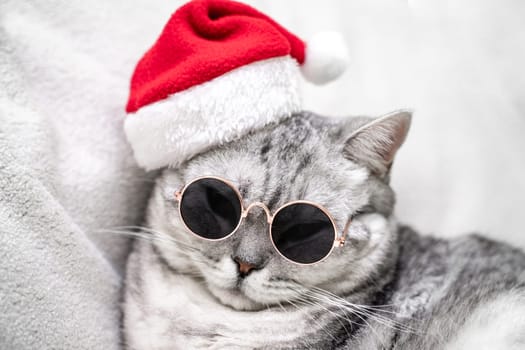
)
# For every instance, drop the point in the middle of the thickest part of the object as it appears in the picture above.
(260, 205)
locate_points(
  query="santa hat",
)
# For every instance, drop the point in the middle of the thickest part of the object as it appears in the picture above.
(219, 70)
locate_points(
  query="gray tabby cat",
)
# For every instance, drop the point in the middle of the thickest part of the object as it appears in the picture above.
(387, 288)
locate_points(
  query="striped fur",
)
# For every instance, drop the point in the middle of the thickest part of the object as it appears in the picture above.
(388, 288)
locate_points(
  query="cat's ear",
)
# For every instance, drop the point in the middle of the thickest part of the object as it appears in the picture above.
(375, 143)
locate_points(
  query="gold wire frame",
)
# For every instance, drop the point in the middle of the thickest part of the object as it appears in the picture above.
(338, 241)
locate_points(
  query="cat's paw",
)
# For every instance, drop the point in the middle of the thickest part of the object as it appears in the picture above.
(366, 227)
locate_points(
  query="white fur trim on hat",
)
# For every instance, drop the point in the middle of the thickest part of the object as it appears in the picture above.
(326, 57)
(168, 132)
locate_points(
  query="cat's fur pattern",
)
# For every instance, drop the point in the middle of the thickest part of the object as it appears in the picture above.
(429, 293)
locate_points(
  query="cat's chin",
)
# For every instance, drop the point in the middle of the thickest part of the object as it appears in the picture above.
(235, 299)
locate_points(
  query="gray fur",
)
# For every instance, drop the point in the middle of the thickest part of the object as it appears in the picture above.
(414, 292)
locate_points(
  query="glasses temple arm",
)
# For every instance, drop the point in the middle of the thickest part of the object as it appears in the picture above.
(340, 241)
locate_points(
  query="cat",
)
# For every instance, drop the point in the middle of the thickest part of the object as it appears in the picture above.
(387, 288)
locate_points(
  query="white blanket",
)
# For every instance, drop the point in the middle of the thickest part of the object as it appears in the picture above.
(66, 171)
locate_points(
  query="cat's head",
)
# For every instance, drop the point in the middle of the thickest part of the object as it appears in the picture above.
(342, 164)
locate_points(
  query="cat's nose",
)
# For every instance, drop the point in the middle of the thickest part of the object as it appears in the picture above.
(245, 267)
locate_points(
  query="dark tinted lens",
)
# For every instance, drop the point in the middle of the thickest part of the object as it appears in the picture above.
(210, 208)
(303, 233)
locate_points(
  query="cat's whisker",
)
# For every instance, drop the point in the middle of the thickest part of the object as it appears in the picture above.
(321, 327)
(134, 234)
(359, 309)
(335, 314)
(282, 307)
(302, 297)
(369, 326)
(377, 308)
(157, 234)
(346, 311)
(363, 312)
(149, 230)
(178, 246)
(341, 303)
(345, 308)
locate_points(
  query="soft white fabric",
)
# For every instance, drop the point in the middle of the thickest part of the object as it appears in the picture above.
(66, 170)
(170, 131)
(326, 57)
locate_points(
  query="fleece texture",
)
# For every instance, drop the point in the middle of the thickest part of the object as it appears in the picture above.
(66, 170)
(168, 132)
(66, 173)
(203, 40)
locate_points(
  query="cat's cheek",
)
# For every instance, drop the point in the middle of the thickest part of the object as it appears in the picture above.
(222, 275)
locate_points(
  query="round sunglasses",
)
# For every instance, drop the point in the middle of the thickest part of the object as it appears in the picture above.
(302, 232)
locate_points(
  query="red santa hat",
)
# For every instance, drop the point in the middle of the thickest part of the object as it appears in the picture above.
(219, 70)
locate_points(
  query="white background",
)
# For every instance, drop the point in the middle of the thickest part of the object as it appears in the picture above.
(460, 65)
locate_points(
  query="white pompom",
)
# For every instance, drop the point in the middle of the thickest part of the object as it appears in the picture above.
(326, 57)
